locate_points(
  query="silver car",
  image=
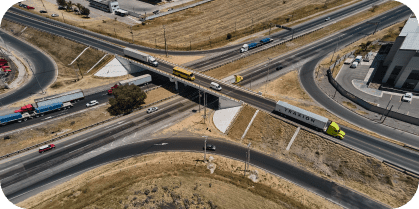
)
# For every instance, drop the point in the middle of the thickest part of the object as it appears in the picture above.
(152, 109)
(92, 103)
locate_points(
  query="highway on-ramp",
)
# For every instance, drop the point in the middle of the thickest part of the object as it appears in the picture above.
(42, 65)
(393, 152)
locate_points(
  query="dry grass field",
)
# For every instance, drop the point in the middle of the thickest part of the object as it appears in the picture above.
(49, 130)
(325, 158)
(287, 88)
(262, 56)
(194, 27)
(174, 180)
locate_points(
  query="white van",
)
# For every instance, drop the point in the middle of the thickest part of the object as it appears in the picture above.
(215, 86)
(354, 64)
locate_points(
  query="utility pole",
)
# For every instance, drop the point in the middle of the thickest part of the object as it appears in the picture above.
(267, 76)
(199, 98)
(81, 72)
(335, 49)
(205, 148)
(376, 28)
(155, 41)
(114, 32)
(210, 41)
(190, 45)
(75, 71)
(252, 26)
(205, 106)
(63, 16)
(387, 114)
(270, 26)
(44, 5)
(247, 160)
(30, 67)
(132, 34)
(165, 43)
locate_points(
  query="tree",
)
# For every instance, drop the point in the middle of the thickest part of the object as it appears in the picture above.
(374, 7)
(364, 46)
(228, 36)
(85, 11)
(61, 2)
(79, 6)
(127, 98)
(69, 6)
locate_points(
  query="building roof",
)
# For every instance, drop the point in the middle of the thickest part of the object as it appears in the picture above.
(411, 33)
(411, 26)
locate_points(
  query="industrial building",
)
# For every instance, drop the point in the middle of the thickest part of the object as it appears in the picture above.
(402, 61)
(105, 5)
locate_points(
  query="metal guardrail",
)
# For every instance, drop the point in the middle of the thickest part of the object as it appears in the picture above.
(84, 128)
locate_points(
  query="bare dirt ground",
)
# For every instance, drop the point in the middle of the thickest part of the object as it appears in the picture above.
(257, 58)
(177, 59)
(173, 180)
(287, 88)
(49, 130)
(327, 159)
(213, 20)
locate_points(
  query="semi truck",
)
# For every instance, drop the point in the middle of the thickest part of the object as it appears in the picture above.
(266, 40)
(247, 47)
(28, 112)
(319, 122)
(141, 56)
(144, 79)
(70, 96)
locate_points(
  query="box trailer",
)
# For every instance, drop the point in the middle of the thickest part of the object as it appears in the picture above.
(141, 56)
(137, 80)
(319, 122)
(144, 79)
(70, 96)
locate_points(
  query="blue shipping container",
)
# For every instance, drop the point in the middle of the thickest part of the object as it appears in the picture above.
(10, 117)
(50, 107)
(265, 40)
(253, 45)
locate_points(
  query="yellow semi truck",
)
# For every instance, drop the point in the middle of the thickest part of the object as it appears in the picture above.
(318, 122)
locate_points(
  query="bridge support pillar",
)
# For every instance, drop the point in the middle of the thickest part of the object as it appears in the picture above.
(176, 85)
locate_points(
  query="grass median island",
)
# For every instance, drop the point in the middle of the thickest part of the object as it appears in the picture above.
(174, 180)
(326, 159)
(257, 58)
(63, 52)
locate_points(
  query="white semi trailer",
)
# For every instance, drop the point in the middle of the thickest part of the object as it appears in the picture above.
(319, 122)
(141, 56)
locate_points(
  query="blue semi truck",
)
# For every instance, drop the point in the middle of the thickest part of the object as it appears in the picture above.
(35, 112)
(247, 47)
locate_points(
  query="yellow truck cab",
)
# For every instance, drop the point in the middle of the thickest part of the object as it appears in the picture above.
(334, 130)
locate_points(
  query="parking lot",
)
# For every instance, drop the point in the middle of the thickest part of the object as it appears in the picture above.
(354, 80)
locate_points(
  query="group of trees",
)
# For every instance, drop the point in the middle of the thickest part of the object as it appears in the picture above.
(127, 98)
(68, 5)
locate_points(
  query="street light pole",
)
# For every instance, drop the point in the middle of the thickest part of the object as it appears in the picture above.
(267, 76)
(247, 160)
(30, 67)
(205, 148)
(165, 43)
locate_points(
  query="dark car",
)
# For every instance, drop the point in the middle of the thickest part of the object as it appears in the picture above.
(156, 12)
(76, 10)
(42, 11)
(210, 147)
(61, 8)
(279, 67)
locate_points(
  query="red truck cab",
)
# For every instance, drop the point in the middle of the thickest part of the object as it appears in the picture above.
(29, 7)
(46, 148)
(25, 108)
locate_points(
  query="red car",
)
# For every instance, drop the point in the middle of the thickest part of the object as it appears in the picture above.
(46, 148)
(29, 7)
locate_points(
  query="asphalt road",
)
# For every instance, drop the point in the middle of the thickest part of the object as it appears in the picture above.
(101, 97)
(43, 67)
(301, 177)
(60, 30)
(392, 151)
